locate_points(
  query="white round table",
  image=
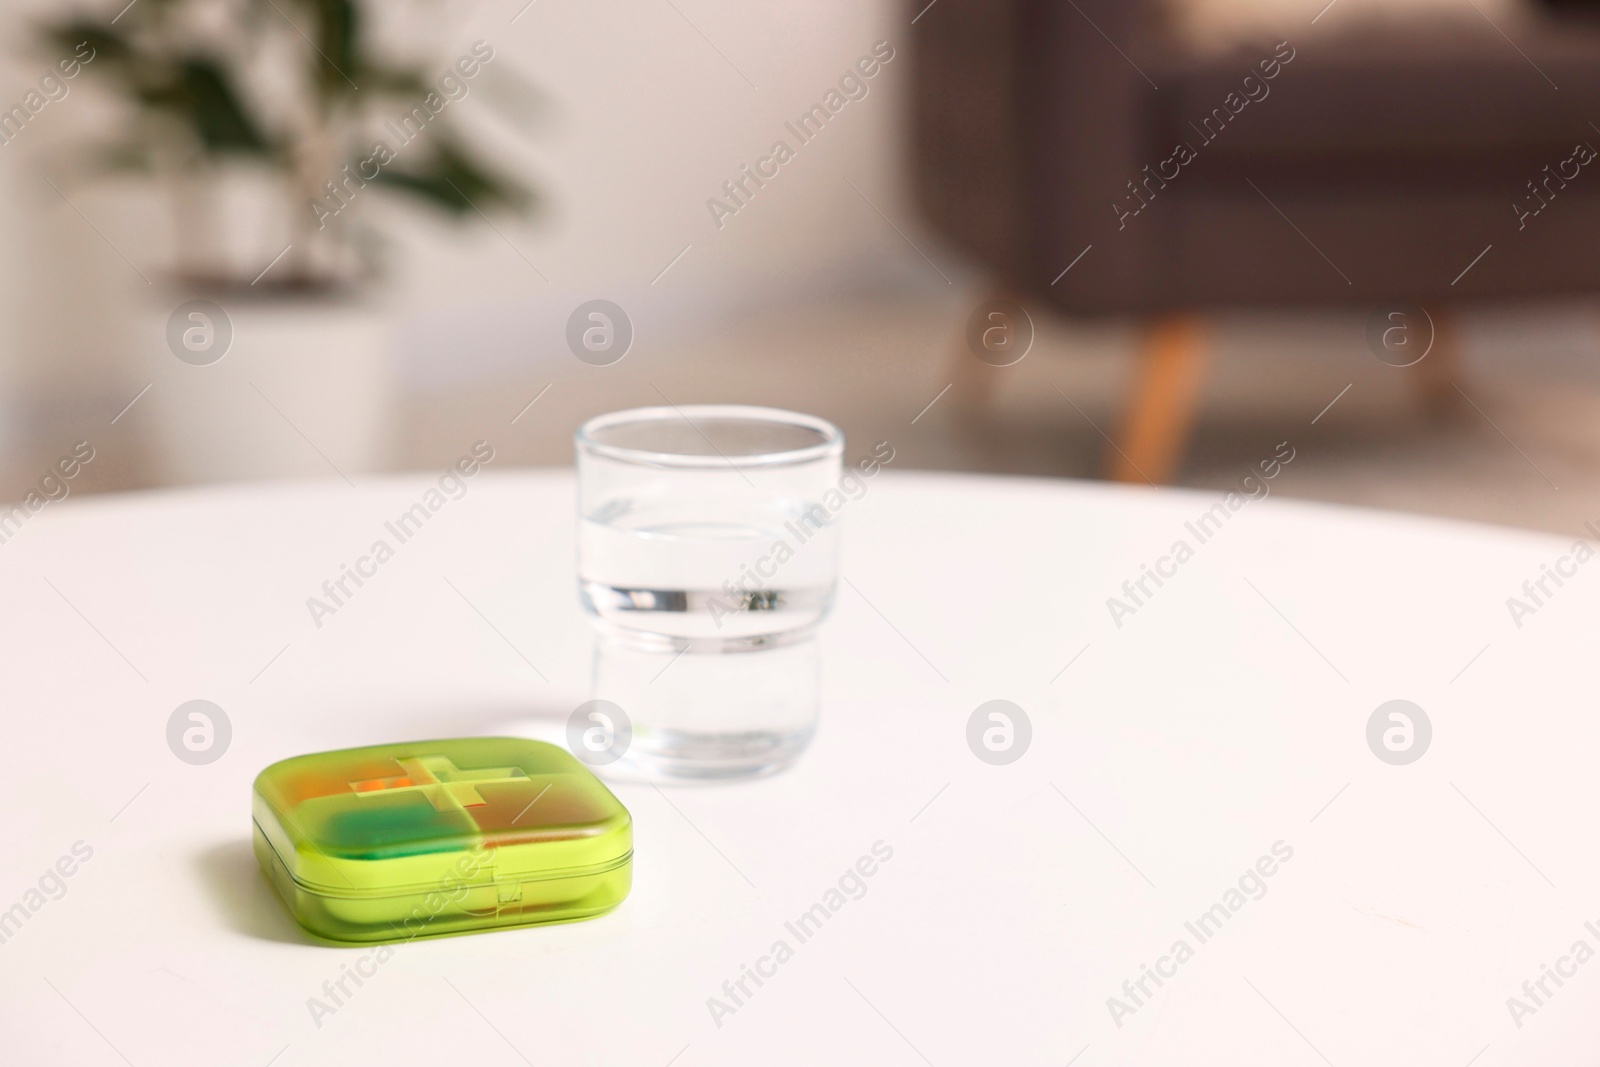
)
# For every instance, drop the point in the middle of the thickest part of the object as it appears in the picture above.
(1199, 774)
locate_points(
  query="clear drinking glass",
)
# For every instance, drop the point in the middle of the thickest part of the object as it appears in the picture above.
(709, 718)
(705, 528)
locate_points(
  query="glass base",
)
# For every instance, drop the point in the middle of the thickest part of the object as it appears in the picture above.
(660, 755)
(670, 644)
(709, 717)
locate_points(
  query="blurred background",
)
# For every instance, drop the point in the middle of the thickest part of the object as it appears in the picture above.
(1140, 239)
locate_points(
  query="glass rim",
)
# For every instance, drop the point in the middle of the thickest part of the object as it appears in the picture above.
(832, 443)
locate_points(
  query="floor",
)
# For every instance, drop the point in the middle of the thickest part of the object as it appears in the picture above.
(1522, 448)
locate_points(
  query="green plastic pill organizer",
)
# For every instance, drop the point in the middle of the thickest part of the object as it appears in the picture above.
(393, 842)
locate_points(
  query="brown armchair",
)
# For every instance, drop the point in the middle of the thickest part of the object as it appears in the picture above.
(1434, 165)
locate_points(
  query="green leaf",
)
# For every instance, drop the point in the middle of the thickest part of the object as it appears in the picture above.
(424, 186)
(338, 41)
(217, 112)
(393, 81)
(110, 46)
(341, 33)
(458, 184)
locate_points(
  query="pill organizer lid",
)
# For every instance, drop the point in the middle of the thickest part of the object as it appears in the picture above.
(391, 818)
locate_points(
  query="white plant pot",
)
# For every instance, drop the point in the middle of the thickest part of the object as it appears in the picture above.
(305, 389)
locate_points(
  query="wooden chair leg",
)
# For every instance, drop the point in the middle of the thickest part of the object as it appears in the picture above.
(1434, 379)
(1161, 406)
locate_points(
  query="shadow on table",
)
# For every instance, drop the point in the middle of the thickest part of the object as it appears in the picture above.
(242, 896)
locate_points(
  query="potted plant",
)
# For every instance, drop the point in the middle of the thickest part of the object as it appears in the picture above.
(269, 125)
